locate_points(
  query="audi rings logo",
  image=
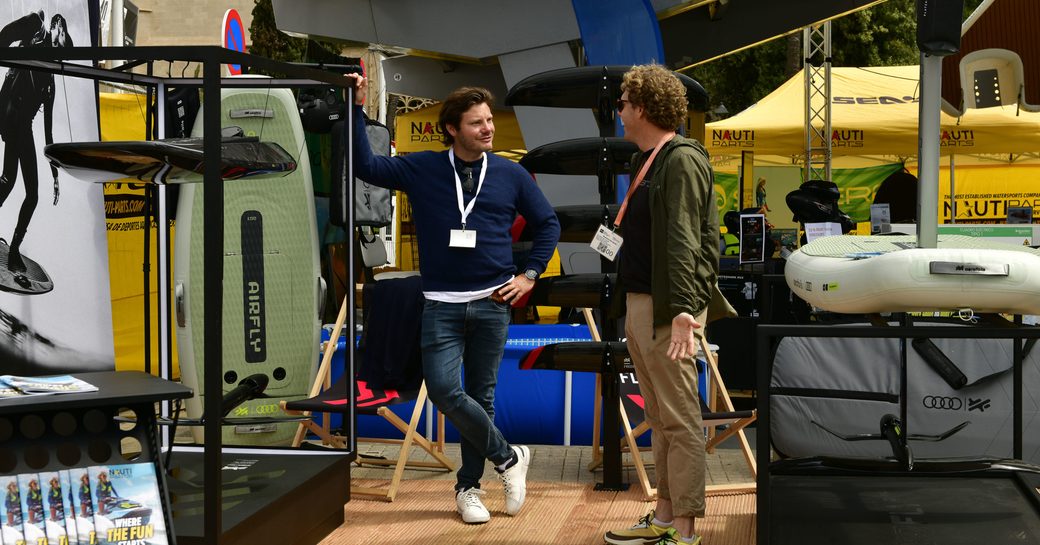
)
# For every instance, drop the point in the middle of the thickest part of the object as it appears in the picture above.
(942, 403)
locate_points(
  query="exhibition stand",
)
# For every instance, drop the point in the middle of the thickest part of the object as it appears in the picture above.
(289, 499)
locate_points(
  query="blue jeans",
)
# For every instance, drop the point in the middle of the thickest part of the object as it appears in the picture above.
(473, 332)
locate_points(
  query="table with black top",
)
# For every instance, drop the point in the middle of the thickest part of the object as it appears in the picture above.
(56, 432)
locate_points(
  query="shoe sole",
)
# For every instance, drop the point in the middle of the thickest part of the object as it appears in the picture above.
(527, 462)
(631, 541)
(477, 521)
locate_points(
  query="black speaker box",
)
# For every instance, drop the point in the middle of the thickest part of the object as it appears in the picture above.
(939, 26)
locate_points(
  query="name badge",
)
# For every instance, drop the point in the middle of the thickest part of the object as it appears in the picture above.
(461, 238)
(606, 242)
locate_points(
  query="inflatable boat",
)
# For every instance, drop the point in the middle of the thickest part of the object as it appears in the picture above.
(858, 275)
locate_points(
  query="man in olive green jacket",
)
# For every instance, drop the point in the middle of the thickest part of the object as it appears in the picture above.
(668, 267)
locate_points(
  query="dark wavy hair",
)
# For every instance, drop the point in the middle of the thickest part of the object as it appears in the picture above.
(457, 103)
(659, 92)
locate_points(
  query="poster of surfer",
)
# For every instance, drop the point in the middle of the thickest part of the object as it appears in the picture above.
(55, 310)
(128, 506)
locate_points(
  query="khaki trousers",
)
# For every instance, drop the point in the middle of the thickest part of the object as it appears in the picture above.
(672, 409)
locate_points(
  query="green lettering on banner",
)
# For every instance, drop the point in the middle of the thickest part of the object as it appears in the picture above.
(986, 231)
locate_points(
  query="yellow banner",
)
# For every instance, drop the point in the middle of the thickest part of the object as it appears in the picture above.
(983, 194)
(122, 118)
(418, 131)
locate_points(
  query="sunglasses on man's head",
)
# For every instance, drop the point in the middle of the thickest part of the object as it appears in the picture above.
(620, 105)
(467, 179)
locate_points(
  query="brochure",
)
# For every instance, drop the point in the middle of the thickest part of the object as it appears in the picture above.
(8, 391)
(70, 514)
(62, 384)
(128, 508)
(54, 509)
(11, 511)
(82, 505)
(33, 520)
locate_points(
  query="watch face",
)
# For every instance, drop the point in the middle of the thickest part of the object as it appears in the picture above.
(531, 273)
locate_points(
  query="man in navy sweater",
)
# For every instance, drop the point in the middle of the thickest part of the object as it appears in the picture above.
(464, 201)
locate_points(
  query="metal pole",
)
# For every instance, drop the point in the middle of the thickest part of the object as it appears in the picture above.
(213, 278)
(350, 361)
(163, 274)
(116, 32)
(928, 152)
(953, 193)
(568, 382)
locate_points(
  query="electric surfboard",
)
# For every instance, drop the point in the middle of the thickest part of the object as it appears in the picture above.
(862, 275)
(168, 161)
(272, 279)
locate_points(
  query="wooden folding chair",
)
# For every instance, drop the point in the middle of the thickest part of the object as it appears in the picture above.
(712, 420)
(327, 398)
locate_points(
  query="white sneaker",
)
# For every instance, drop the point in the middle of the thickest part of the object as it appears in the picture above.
(470, 507)
(514, 480)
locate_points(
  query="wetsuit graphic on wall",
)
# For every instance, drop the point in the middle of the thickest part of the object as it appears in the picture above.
(23, 94)
(54, 292)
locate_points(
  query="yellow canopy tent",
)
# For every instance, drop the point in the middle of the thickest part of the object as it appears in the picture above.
(874, 111)
(418, 131)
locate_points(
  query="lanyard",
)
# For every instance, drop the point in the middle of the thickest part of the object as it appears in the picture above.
(458, 185)
(639, 177)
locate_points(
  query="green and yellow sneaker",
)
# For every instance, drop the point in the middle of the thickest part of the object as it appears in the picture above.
(671, 537)
(643, 532)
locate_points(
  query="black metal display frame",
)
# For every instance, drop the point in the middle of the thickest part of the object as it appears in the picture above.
(62, 62)
(769, 336)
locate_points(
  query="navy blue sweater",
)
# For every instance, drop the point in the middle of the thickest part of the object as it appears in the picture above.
(429, 180)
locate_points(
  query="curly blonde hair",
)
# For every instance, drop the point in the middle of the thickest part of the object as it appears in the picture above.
(659, 92)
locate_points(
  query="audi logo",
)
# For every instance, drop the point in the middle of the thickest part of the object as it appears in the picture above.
(942, 403)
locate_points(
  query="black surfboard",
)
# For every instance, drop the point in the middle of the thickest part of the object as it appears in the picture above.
(587, 87)
(581, 156)
(589, 357)
(578, 223)
(587, 290)
(169, 161)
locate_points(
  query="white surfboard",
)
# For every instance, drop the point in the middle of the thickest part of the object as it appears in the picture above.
(854, 274)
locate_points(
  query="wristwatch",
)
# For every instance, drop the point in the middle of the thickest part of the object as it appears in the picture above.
(531, 274)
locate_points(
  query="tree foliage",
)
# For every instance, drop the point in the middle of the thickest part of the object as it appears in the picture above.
(268, 41)
(884, 35)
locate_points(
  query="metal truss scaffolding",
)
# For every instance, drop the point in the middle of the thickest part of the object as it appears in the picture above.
(816, 46)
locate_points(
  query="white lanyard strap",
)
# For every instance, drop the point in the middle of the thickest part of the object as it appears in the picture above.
(465, 210)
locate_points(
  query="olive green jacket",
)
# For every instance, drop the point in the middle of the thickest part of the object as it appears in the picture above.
(684, 229)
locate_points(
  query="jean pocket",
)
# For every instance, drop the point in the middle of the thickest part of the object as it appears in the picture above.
(503, 306)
